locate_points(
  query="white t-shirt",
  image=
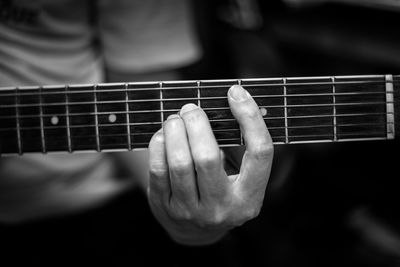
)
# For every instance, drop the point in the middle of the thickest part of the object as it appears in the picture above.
(70, 42)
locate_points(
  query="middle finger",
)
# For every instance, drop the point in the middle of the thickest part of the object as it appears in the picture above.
(211, 177)
(181, 169)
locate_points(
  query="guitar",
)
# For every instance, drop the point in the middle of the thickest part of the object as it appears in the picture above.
(124, 116)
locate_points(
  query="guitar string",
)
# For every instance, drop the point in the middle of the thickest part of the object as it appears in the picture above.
(227, 108)
(228, 132)
(213, 86)
(276, 138)
(75, 89)
(188, 99)
(146, 123)
(207, 110)
(344, 135)
(279, 139)
(133, 125)
(221, 120)
(308, 105)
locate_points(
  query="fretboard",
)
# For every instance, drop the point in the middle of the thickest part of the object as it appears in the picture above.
(124, 116)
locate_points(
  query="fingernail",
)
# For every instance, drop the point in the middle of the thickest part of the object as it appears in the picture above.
(187, 108)
(173, 116)
(160, 131)
(238, 93)
(170, 117)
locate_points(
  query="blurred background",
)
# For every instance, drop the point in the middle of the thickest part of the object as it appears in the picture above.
(331, 204)
(326, 205)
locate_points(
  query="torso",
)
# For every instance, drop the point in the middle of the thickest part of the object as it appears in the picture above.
(50, 42)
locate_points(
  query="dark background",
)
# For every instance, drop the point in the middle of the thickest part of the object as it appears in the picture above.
(322, 214)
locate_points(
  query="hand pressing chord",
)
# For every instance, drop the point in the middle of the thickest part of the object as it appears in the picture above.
(189, 191)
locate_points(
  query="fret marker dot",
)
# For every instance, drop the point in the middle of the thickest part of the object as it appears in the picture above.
(112, 118)
(263, 112)
(54, 120)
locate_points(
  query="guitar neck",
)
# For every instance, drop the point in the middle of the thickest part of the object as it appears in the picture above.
(124, 116)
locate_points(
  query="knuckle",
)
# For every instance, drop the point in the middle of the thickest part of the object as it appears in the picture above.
(250, 213)
(208, 159)
(157, 171)
(263, 150)
(180, 213)
(181, 167)
(212, 219)
(184, 216)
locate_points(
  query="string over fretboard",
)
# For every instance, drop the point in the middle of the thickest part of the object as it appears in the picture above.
(124, 116)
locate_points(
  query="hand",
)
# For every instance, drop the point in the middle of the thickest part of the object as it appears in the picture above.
(189, 191)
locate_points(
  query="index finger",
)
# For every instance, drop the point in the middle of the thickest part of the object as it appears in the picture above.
(257, 160)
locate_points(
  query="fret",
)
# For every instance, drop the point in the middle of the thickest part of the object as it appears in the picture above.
(312, 102)
(54, 118)
(128, 128)
(161, 103)
(140, 120)
(372, 103)
(10, 138)
(112, 116)
(69, 140)
(96, 120)
(274, 104)
(239, 82)
(334, 109)
(82, 118)
(17, 101)
(286, 111)
(214, 96)
(41, 122)
(198, 83)
(389, 106)
(183, 93)
(30, 130)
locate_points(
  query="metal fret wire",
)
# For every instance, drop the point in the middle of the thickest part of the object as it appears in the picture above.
(128, 127)
(198, 93)
(67, 121)
(241, 134)
(161, 103)
(19, 141)
(334, 109)
(43, 140)
(286, 111)
(97, 122)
